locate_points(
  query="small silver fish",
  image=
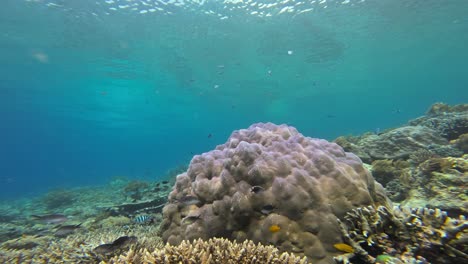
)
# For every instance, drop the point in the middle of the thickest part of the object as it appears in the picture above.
(190, 219)
(189, 200)
(63, 231)
(51, 218)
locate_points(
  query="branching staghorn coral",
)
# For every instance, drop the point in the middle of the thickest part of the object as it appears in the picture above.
(215, 250)
(75, 248)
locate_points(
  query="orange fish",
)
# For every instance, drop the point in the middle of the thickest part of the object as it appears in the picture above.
(274, 228)
(344, 247)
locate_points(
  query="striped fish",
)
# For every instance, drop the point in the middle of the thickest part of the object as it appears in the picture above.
(143, 219)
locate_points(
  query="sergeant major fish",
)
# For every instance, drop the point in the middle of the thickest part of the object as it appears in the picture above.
(143, 219)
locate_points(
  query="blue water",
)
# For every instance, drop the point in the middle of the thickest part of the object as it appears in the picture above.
(88, 93)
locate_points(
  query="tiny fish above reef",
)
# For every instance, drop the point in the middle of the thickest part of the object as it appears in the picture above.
(119, 243)
(65, 230)
(51, 218)
(344, 247)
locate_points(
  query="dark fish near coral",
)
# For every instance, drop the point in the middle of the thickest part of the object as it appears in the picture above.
(257, 189)
(104, 249)
(65, 230)
(189, 200)
(119, 243)
(267, 209)
(143, 219)
(51, 218)
(124, 241)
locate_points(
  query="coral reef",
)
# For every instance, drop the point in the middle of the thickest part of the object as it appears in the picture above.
(75, 248)
(385, 171)
(421, 156)
(270, 175)
(407, 235)
(400, 142)
(431, 132)
(351, 144)
(461, 143)
(57, 199)
(449, 121)
(215, 250)
(135, 189)
(440, 183)
(146, 248)
(394, 176)
(273, 193)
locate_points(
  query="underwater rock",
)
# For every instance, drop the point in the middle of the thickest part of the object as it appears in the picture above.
(385, 171)
(408, 235)
(440, 183)
(305, 182)
(400, 142)
(393, 175)
(431, 132)
(351, 144)
(461, 143)
(449, 121)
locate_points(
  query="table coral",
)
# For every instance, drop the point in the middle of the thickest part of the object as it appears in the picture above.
(302, 185)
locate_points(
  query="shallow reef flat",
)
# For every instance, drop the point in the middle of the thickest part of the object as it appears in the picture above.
(269, 195)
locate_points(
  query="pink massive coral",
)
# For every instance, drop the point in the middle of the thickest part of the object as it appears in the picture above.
(270, 175)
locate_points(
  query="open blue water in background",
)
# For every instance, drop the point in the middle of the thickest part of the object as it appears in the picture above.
(90, 90)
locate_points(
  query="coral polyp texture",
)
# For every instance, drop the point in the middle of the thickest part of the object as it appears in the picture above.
(405, 235)
(270, 184)
(215, 250)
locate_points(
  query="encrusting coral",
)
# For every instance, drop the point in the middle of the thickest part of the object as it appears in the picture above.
(270, 176)
(215, 250)
(440, 183)
(411, 235)
(461, 143)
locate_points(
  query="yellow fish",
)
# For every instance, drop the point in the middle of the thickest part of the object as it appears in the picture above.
(274, 228)
(344, 247)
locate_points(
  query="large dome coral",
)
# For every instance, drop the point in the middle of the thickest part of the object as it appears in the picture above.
(270, 184)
